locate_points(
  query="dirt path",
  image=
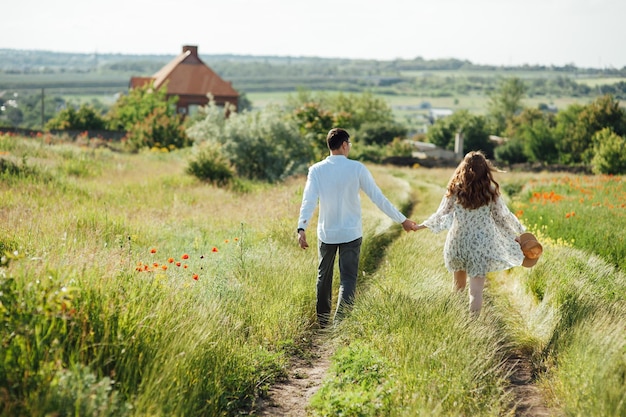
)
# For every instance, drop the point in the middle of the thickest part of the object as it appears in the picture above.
(528, 398)
(291, 396)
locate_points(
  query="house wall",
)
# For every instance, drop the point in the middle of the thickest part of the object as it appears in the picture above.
(184, 101)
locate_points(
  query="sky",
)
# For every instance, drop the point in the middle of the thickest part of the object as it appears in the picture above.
(584, 33)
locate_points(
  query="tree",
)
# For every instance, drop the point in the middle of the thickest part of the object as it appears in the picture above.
(380, 133)
(314, 122)
(609, 153)
(138, 104)
(568, 133)
(506, 102)
(473, 127)
(150, 119)
(535, 131)
(243, 103)
(511, 152)
(14, 115)
(577, 125)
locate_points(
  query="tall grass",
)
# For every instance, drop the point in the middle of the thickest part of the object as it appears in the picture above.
(202, 340)
(97, 317)
(564, 315)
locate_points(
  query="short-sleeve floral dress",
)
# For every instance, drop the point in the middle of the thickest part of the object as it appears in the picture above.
(479, 240)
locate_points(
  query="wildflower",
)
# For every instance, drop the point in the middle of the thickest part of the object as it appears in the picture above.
(185, 256)
(185, 266)
(153, 250)
(195, 276)
(226, 240)
(178, 263)
(156, 264)
(519, 213)
(236, 239)
(214, 249)
(164, 267)
(170, 260)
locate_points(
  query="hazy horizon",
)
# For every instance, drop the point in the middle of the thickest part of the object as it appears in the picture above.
(486, 32)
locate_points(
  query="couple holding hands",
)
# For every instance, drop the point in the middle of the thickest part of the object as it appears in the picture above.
(483, 235)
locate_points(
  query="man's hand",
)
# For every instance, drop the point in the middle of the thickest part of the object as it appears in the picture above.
(409, 225)
(302, 239)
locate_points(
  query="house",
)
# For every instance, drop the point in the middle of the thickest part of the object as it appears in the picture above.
(187, 77)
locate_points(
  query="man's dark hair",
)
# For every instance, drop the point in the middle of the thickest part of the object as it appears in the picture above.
(336, 137)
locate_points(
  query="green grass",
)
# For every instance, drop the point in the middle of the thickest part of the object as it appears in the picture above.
(567, 206)
(91, 326)
(564, 315)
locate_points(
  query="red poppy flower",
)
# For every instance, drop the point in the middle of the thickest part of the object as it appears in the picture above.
(177, 263)
(185, 256)
(170, 260)
(153, 250)
(164, 267)
(195, 276)
(214, 249)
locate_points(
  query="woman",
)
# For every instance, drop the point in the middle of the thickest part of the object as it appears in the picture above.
(483, 233)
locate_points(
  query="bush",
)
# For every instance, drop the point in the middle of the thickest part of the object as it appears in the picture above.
(263, 145)
(368, 153)
(85, 118)
(380, 133)
(511, 152)
(210, 165)
(158, 130)
(609, 153)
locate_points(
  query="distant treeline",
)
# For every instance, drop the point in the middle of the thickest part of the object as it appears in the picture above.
(81, 73)
(21, 61)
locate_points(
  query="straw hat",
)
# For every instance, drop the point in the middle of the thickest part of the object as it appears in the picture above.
(531, 248)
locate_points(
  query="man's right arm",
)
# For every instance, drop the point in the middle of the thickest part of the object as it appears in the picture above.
(309, 202)
(302, 239)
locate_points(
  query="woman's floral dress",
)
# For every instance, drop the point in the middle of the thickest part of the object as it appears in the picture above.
(479, 241)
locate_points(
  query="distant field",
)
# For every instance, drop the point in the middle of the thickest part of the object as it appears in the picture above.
(409, 105)
(593, 82)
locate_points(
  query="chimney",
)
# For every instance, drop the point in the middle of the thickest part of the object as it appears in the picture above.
(191, 48)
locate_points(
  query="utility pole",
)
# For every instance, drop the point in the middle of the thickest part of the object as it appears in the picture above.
(42, 113)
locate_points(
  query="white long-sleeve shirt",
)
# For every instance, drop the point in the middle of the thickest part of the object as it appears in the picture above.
(336, 182)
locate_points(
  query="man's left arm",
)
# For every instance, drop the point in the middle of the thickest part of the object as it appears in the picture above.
(371, 189)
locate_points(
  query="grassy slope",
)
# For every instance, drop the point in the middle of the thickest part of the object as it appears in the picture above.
(85, 218)
(564, 315)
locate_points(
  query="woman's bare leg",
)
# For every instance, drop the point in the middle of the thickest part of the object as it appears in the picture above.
(460, 279)
(477, 284)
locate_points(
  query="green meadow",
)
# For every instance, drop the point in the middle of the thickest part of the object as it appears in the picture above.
(130, 288)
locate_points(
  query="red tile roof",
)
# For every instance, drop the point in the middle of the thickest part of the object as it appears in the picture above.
(188, 75)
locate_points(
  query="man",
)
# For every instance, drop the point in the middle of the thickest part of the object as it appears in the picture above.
(336, 182)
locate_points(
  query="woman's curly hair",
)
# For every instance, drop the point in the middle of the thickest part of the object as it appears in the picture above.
(472, 182)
